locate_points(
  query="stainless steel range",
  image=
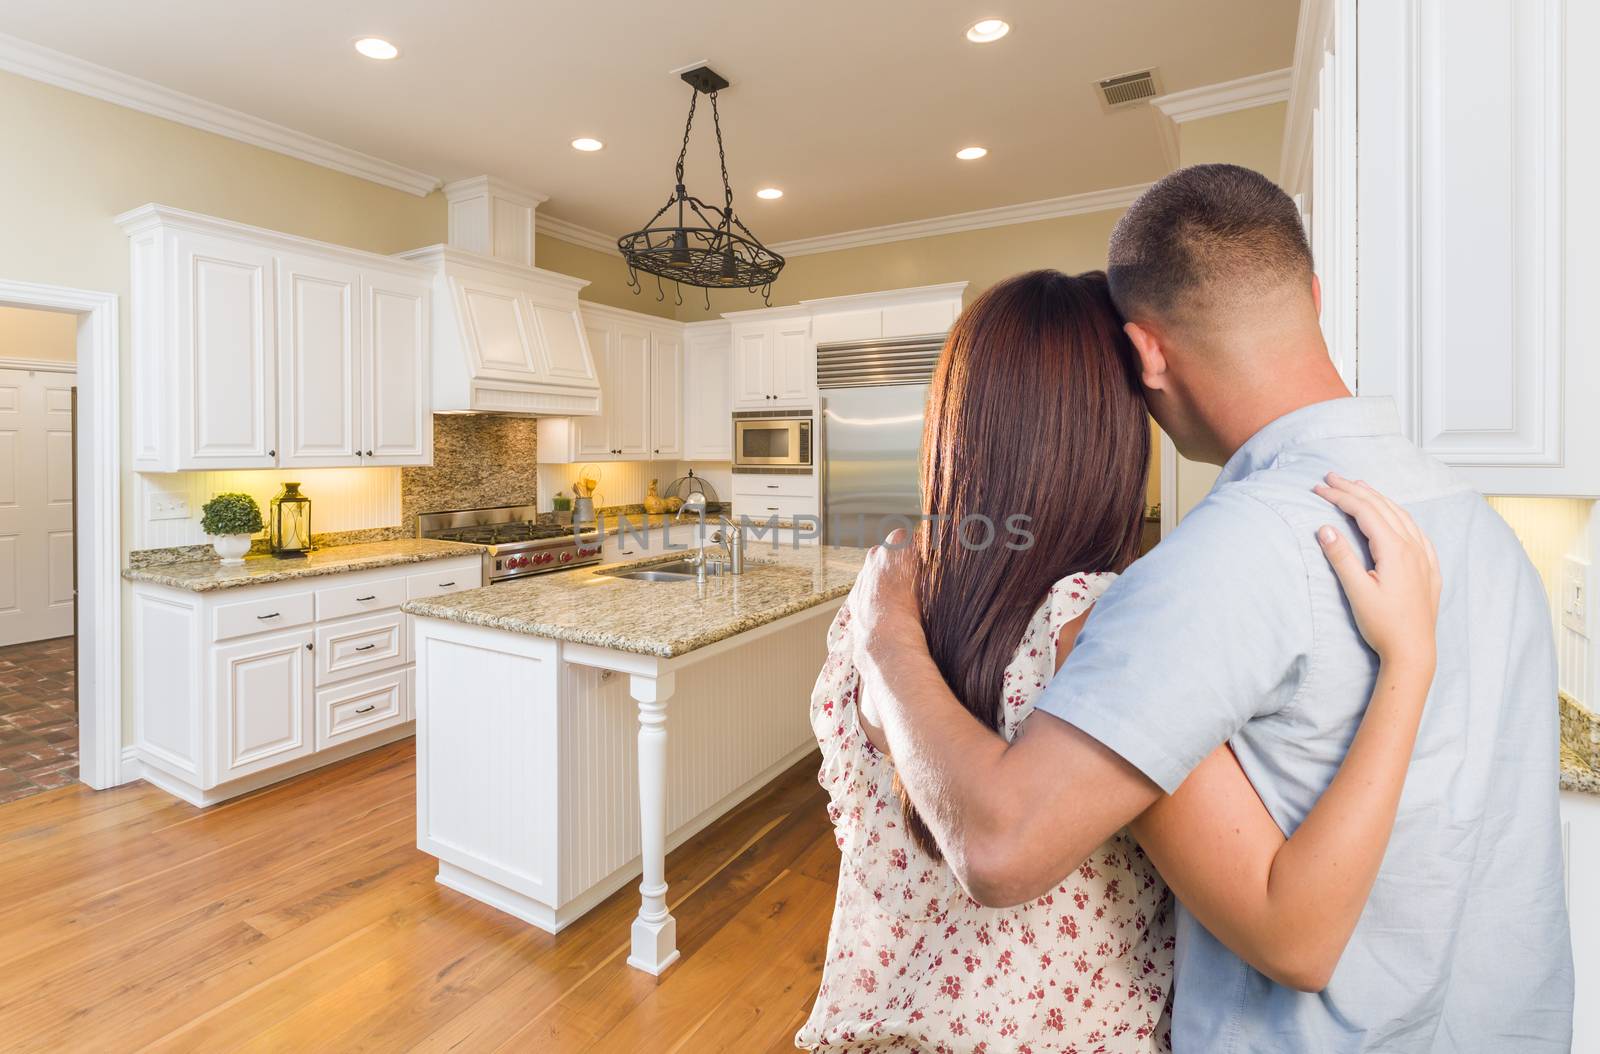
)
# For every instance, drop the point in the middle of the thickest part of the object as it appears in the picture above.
(514, 545)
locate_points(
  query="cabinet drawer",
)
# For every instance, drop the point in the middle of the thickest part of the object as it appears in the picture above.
(360, 645)
(339, 601)
(357, 708)
(259, 616)
(785, 507)
(449, 578)
(760, 486)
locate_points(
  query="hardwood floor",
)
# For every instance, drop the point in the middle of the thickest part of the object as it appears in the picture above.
(303, 918)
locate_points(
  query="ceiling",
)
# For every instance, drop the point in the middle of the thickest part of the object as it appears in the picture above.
(854, 109)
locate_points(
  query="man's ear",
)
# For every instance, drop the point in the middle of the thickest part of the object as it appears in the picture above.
(1152, 359)
(1316, 293)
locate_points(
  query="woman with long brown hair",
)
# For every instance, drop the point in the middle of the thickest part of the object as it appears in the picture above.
(1034, 463)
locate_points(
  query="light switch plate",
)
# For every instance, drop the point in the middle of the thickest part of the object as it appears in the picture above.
(1575, 596)
(168, 506)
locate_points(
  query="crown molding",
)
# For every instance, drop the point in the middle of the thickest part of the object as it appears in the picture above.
(39, 63)
(573, 234)
(1212, 100)
(1003, 216)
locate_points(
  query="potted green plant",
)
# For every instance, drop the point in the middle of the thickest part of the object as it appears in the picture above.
(230, 519)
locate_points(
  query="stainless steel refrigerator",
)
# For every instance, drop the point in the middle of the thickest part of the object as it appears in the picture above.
(873, 395)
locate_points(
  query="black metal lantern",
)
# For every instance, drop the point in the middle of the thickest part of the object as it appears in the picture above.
(700, 244)
(289, 524)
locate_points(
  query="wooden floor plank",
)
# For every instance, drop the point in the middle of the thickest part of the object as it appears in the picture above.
(303, 918)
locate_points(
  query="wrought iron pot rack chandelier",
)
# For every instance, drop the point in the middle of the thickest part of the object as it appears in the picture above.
(707, 246)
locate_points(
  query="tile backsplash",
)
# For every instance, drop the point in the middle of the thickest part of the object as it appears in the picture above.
(479, 461)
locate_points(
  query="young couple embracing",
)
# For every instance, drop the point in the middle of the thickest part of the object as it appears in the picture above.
(1286, 783)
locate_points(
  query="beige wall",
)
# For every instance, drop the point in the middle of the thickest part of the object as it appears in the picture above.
(607, 276)
(33, 334)
(1252, 138)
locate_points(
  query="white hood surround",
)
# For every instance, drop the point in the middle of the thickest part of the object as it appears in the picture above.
(507, 336)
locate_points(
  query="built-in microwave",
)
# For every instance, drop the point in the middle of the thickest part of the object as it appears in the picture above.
(761, 440)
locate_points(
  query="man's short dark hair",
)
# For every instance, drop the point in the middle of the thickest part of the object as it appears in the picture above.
(1205, 237)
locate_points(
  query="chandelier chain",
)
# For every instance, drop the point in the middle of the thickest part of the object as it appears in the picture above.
(688, 125)
(722, 155)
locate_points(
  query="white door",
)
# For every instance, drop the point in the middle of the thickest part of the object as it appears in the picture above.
(666, 395)
(630, 403)
(708, 399)
(396, 409)
(752, 366)
(263, 692)
(36, 583)
(794, 371)
(227, 365)
(319, 369)
(593, 439)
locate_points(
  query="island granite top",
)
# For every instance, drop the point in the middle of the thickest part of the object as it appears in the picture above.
(1580, 747)
(664, 619)
(203, 576)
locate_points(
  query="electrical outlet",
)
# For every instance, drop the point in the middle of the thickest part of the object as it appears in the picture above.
(168, 507)
(1575, 596)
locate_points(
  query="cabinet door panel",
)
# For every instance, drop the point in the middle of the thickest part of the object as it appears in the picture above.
(319, 379)
(666, 396)
(397, 425)
(227, 368)
(708, 398)
(752, 366)
(593, 435)
(794, 363)
(501, 330)
(566, 357)
(263, 694)
(630, 407)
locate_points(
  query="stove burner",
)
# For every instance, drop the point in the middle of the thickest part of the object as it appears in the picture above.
(516, 544)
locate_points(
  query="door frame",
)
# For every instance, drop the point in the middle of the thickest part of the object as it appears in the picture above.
(99, 510)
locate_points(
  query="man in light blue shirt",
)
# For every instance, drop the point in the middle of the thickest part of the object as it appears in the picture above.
(1234, 630)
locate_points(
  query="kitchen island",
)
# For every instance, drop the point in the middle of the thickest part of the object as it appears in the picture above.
(572, 728)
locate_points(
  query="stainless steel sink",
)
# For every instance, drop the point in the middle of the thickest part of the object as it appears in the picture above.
(672, 571)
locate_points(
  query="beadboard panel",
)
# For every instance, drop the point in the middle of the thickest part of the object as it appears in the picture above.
(729, 720)
(1552, 529)
(342, 499)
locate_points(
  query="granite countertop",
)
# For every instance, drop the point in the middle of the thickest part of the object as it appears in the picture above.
(1580, 747)
(664, 619)
(203, 576)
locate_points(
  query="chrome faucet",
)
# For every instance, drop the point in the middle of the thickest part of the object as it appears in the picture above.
(728, 536)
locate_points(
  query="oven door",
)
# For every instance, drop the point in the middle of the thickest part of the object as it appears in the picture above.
(784, 442)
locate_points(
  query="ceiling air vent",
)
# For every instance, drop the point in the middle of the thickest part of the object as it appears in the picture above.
(1129, 88)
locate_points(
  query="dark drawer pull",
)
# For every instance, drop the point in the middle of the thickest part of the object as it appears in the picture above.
(366, 709)
(445, 585)
(772, 486)
(365, 647)
(374, 596)
(275, 614)
(772, 508)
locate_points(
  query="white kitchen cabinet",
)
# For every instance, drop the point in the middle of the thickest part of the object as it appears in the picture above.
(1580, 843)
(666, 395)
(1460, 127)
(253, 349)
(222, 355)
(708, 392)
(263, 692)
(639, 362)
(843, 327)
(236, 688)
(774, 364)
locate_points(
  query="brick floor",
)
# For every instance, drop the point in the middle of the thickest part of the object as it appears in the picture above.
(38, 721)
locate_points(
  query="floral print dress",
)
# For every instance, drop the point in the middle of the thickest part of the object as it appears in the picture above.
(915, 964)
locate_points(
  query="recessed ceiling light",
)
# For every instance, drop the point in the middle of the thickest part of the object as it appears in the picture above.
(769, 193)
(585, 143)
(971, 153)
(988, 31)
(376, 48)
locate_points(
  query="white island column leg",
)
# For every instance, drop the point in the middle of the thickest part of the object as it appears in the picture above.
(655, 931)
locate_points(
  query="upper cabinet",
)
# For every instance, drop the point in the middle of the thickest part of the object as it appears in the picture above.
(1463, 129)
(774, 363)
(638, 370)
(708, 392)
(253, 349)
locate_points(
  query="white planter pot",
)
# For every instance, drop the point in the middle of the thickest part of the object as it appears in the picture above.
(231, 547)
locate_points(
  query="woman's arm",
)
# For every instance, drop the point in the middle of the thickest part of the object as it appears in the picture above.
(1288, 906)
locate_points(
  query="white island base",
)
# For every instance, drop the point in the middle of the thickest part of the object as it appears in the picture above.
(550, 773)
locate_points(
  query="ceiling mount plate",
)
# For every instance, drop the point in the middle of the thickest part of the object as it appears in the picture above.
(704, 79)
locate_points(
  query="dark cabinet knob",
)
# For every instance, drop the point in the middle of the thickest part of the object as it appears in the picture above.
(308, 646)
(272, 453)
(369, 453)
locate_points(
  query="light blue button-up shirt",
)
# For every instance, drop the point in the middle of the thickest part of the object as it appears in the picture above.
(1234, 629)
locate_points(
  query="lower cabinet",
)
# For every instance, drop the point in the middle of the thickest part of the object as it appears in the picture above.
(238, 688)
(1580, 844)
